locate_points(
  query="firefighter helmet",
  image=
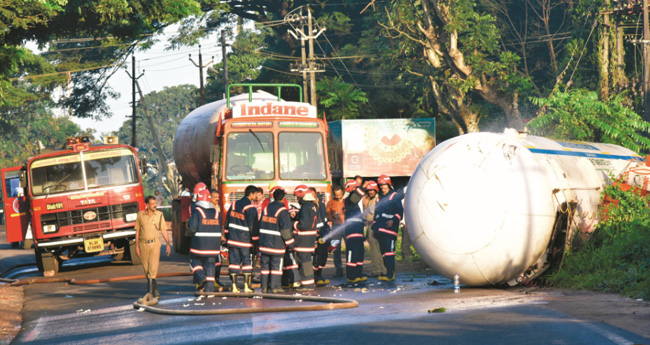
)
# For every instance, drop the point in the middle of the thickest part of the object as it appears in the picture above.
(351, 185)
(384, 179)
(372, 185)
(199, 187)
(301, 190)
(204, 195)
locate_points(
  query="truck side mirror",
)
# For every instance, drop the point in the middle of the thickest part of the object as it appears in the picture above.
(23, 179)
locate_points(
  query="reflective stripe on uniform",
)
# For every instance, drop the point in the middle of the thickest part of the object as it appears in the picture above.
(353, 236)
(205, 252)
(358, 220)
(270, 232)
(271, 250)
(234, 243)
(238, 227)
(306, 233)
(390, 232)
(207, 234)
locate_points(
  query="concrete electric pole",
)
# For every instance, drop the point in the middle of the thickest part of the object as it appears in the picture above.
(201, 67)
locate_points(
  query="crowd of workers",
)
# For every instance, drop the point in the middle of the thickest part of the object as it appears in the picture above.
(291, 245)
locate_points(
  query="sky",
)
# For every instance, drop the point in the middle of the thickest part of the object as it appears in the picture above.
(161, 69)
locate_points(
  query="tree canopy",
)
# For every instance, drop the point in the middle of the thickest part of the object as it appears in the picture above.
(475, 63)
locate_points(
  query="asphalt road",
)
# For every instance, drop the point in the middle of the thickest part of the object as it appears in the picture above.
(397, 312)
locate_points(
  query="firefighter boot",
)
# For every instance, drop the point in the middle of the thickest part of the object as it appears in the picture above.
(154, 289)
(233, 278)
(148, 285)
(247, 283)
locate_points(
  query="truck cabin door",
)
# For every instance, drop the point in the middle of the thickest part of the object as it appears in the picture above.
(16, 208)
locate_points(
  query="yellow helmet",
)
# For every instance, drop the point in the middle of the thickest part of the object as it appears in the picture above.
(273, 184)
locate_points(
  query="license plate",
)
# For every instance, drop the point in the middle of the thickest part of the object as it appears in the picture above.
(93, 245)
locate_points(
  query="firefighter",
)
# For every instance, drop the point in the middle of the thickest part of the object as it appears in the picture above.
(322, 247)
(149, 224)
(388, 214)
(354, 233)
(275, 239)
(205, 229)
(304, 230)
(242, 227)
(369, 200)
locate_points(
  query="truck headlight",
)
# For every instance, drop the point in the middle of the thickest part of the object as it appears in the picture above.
(49, 228)
(131, 217)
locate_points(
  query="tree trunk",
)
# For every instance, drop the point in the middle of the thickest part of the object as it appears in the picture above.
(603, 56)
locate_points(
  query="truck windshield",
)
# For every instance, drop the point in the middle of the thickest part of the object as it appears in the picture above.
(250, 156)
(302, 156)
(65, 173)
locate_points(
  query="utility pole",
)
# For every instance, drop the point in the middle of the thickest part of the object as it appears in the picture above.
(312, 67)
(303, 55)
(201, 67)
(133, 104)
(312, 72)
(224, 57)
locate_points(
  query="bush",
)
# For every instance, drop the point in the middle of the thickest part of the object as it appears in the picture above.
(617, 257)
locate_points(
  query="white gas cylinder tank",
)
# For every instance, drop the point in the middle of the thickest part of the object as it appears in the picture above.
(483, 205)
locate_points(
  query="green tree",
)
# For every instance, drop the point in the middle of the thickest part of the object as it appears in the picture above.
(244, 63)
(104, 32)
(167, 108)
(578, 114)
(341, 99)
(38, 127)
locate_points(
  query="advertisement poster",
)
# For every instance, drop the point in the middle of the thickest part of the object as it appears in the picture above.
(381, 146)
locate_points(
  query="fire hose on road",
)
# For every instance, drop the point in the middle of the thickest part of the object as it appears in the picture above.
(329, 303)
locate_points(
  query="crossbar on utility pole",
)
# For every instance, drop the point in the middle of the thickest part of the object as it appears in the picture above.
(201, 67)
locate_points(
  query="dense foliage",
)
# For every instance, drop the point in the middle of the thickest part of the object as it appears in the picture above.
(617, 257)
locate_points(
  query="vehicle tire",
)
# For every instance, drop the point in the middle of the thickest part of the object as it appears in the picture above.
(135, 259)
(27, 243)
(50, 262)
(39, 259)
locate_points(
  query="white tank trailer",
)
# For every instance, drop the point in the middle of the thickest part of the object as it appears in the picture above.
(499, 208)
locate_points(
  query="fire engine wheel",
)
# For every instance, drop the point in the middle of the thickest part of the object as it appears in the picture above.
(135, 259)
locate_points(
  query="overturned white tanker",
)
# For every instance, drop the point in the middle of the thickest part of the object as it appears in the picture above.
(499, 208)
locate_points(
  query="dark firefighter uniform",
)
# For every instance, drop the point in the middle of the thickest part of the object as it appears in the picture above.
(275, 237)
(304, 230)
(241, 228)
(388, 208)
(320, 255)
(205, 253)
(354, 235)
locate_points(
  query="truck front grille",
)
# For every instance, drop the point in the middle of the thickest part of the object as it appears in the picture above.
(75, 217)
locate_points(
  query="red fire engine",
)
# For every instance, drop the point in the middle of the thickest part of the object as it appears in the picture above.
(79, 201)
